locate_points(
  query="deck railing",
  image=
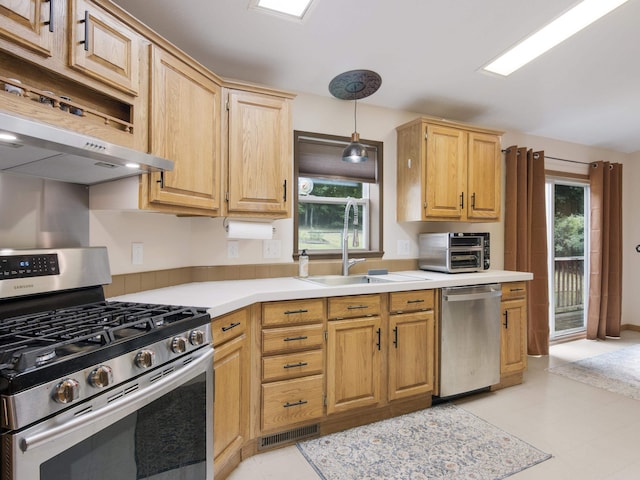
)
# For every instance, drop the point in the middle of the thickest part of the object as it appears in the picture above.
(569, 284)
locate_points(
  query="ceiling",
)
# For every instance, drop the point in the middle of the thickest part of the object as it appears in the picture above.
(429, 54)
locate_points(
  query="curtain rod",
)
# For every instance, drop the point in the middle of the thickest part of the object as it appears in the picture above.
(561, 159)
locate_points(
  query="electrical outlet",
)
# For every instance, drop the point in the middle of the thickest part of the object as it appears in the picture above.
(137, 253)
(271, 249)
(404, 247)
(233, 249)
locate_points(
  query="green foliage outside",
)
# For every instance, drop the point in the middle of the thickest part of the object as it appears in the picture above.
(569, 221)
(320, 225)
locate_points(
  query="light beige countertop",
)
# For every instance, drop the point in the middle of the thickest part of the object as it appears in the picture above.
(226, 296)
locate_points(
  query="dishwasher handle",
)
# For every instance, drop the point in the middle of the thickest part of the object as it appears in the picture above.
(463, 297)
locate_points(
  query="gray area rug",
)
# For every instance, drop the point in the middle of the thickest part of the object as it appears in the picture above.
(617, 371)
(444, 442)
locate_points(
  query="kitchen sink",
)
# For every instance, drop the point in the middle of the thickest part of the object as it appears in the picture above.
(338, 280)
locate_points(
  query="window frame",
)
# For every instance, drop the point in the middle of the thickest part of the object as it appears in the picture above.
(375, 252)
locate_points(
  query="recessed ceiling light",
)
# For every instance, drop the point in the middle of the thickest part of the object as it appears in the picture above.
(290, 8)
(571, 22)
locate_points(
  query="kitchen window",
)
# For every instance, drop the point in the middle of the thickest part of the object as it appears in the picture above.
(323, 183)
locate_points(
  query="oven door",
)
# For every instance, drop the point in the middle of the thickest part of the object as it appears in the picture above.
(163, 431)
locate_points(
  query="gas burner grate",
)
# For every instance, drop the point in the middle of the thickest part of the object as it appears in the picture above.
(33, 340)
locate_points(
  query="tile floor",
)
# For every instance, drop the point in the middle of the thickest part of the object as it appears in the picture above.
(591, 433)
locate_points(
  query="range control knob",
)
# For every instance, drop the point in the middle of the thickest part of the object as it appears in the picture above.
(178, 345)
(101, 377)
(66, 391)
(196, 337)
(145, 359)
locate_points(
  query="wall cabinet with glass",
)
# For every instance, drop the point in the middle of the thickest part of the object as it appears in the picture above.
(448, 171)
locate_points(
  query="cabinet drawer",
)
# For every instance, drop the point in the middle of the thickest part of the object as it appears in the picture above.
(229, 326)
(292, 312)
(291, 365)
(514, 290)
(412, 301)
(289, 339)
(354, 306)
(291, 401)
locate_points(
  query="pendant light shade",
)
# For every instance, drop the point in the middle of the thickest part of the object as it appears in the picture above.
(355, 152)
(354, 85)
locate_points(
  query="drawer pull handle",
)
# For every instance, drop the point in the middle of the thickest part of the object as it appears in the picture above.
(516, 289)
(290, 339)
(357, 307)
(293, 365)
(50, 22)
(86, 30)
(230, 326)
(292, 312)
(295, 404)
(416, 301)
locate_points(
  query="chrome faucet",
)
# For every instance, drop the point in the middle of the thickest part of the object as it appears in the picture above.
(346, 263)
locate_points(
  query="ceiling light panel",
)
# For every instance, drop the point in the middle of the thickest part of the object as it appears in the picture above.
(563, 27)
(288, 8)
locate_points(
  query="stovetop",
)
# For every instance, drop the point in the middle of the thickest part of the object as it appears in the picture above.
(40, 346)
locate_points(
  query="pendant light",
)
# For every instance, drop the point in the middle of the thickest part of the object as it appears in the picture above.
(354, 85)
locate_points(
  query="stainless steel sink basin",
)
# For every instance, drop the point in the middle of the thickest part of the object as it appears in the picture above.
(337, 280)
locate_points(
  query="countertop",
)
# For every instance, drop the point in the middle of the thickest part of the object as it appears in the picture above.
(222, 297)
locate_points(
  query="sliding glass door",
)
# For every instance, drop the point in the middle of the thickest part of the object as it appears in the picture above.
(567, 226)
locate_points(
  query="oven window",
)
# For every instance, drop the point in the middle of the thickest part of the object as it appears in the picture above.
(166, 439)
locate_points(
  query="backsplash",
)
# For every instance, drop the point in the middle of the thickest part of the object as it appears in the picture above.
(138, 282)
(37, 213)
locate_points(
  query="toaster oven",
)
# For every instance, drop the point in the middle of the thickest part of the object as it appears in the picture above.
(454, 252)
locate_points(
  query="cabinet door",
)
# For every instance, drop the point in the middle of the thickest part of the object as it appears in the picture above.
(103, 48)
(484, 176)
(185, 128)
(353, 363)
(411, 354)
(445, 172)
(29, 24)
(513, 346)
(230, 411)
(260, 160)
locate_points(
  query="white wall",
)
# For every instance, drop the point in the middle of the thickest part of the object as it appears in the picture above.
(171, 241)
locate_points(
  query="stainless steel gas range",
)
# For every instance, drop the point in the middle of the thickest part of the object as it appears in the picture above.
(92, 389)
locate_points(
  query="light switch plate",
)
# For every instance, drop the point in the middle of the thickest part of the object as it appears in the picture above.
(404, 248)
(137, 253)
(233, 249)
(271, 249)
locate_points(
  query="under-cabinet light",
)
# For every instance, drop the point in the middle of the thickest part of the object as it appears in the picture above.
(563, 27)
(7, 137)
(294, 8)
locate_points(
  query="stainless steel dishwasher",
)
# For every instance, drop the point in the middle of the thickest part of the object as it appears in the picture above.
(469, 338)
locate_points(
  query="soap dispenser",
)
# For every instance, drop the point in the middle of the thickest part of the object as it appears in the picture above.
(303, 264)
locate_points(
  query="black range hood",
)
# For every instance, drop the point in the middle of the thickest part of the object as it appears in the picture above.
(33, 148)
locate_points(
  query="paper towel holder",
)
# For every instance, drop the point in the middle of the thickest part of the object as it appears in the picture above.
(244, 229)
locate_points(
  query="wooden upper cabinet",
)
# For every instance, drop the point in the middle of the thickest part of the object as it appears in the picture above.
(185, 128)
(259, 163)
(28, 23)
(484, 180)
(448, 172)
(103, 48)
(446, 154)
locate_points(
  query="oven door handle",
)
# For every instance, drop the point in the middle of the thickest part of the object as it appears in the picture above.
(121, 407)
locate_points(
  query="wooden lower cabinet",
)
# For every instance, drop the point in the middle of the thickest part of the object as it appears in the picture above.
(411, 343)
(231, 405)
(289, 402)
(354, 362)
(411, 354)
(513, 336)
